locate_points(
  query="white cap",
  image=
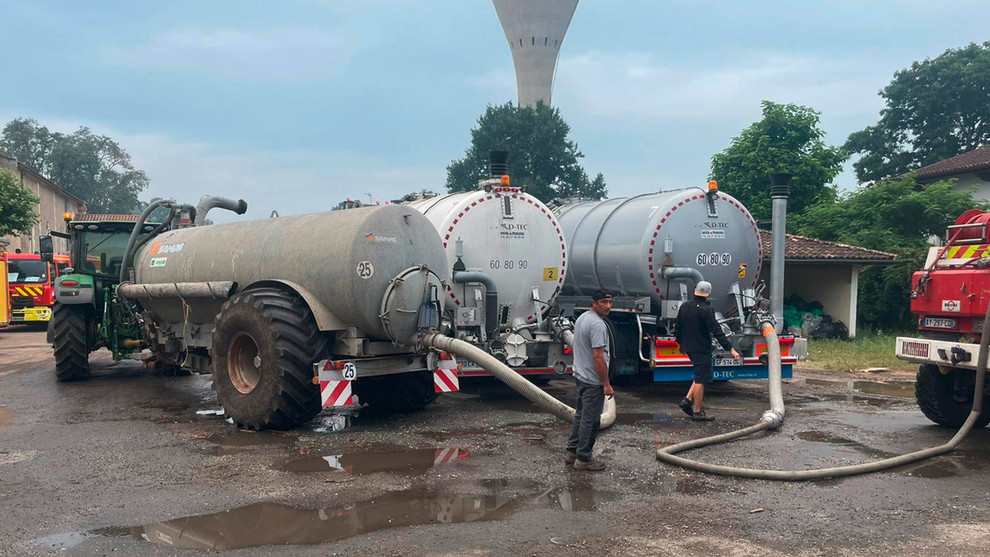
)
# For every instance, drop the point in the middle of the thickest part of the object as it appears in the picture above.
(703, 289)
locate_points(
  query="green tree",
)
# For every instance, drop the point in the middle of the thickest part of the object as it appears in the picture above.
(17, 205)
(787, 139)
(895, 216)
(541, 157)
(92, 167)
(936, 109)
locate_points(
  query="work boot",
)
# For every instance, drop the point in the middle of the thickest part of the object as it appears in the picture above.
(687, 406)
(569, 457)
(700, 416)
(589, 466)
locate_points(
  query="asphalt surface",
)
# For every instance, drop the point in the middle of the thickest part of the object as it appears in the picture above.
(134, 463)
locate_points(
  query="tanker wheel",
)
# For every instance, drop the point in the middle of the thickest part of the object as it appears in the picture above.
(264, 346)
(940, 402)
(400, 392)
(72, 337)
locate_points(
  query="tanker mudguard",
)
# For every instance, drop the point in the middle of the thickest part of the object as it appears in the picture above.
(325, 319)
(84, 291)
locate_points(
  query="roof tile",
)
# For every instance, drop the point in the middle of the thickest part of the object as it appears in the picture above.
(970, 161)
(797, 248)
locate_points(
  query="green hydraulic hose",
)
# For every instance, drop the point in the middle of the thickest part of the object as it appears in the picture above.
(772, 420)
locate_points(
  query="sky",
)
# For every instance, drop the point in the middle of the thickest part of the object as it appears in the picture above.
(298, 104)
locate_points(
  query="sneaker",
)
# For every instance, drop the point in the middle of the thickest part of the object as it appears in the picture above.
(590, 466)
(701, 417)
(687, 406)
(569, 457)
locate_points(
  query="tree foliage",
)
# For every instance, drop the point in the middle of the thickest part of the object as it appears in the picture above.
(936, 109)
(17, 205)
(94, 168)
(541, 157)
(895, 216)
(787, 139)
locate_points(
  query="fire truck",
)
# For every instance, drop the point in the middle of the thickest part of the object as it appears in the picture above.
(30, 286)
(950, 297)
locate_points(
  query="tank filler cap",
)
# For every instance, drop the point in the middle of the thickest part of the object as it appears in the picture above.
(406, 300)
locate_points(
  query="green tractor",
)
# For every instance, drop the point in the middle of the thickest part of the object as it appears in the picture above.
(87, 314)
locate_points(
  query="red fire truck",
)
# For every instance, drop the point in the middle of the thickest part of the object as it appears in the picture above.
(950, 297)
(30, 286)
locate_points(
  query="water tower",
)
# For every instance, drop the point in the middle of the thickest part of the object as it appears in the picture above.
(535, 30)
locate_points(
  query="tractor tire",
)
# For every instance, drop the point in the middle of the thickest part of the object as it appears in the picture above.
(934, 393)
(400, 392)
(262, 354)
(72, 338)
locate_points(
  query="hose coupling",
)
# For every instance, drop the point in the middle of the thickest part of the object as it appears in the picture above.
(773, 418)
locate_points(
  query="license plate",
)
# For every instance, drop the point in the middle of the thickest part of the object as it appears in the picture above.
(728, 362)
(939, 323)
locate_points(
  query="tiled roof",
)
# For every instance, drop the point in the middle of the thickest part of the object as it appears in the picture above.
(801, 248)
(970, 161)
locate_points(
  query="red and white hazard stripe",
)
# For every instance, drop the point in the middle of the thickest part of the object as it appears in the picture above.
(336, 393)
(444, 456)
(445, 376)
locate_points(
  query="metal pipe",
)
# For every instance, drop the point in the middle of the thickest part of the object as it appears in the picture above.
(136, 231)
(509, 376)
(220, 290)
(780, 189)
(491, 295)
(208, 202)
(682, 272)
(639, 350)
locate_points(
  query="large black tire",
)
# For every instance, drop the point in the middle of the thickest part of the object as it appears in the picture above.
(72, 339)
(400, 392)
(938, 401)
(275, 329)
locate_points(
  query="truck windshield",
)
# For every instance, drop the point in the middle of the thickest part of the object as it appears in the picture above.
(104, 252)
(27, 271)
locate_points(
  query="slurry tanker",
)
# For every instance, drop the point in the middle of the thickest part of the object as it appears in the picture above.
(508, 261)
(649, 251)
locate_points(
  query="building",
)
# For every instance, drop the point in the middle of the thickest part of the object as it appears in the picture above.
(535, 31)
(824, 272)
(54, 203)
(970, 170)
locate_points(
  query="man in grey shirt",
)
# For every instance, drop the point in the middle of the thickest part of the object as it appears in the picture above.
(591, 356)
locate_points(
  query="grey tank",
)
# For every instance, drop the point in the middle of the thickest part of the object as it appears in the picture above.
(619, 244)
(343, 261)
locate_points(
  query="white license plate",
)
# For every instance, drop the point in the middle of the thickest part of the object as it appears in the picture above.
(939, 323)
(728, 362)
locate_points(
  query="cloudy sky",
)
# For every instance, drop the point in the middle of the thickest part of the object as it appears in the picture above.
(295, 105)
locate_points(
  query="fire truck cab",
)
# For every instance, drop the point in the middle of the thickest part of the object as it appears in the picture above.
(30, 286)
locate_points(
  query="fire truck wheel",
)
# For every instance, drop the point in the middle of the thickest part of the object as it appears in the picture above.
(401, 392)
(938, 401)
(262, 354)
(72, 337)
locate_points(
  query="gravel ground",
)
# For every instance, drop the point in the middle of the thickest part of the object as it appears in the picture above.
(134, 463)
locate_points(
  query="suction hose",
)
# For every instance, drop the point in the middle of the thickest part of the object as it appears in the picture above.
(769, 421)
(508, 376)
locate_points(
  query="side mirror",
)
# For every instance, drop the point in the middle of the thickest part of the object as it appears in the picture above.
(47, 248)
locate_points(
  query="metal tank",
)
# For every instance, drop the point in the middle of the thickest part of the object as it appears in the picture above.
(360, 268)
(622, 245)
(508, 235)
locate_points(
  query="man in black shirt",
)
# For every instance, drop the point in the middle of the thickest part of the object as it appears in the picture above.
(696, 326)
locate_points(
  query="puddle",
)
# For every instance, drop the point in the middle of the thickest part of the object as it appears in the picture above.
(652, 420)
(410, 463)
(573, 499)
(5, 417)
(822, 437)
(446, 435)
(945, 466)
(236, 441)
(901, 389)
(264, 524)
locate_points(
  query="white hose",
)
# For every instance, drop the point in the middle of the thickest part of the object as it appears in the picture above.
(517, 382)
(773, 418)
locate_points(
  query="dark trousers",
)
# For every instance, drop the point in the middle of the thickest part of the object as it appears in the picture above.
(587, 419)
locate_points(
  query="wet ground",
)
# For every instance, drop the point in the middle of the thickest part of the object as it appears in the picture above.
(135, 463)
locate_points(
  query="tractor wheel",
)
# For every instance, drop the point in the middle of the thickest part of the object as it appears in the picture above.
(400, 392)
(262, 354)
(72, 338)
(940, 403)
